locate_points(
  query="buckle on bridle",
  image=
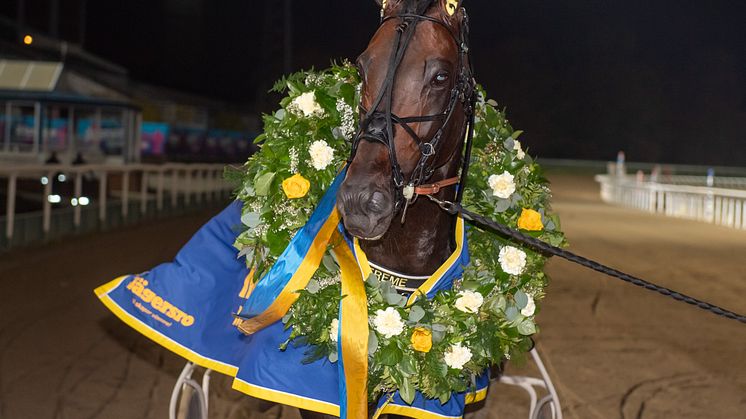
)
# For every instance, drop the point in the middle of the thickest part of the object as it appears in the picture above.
(408, 192)
(427, 149)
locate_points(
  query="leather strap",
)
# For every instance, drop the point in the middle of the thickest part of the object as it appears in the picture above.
(433, 188)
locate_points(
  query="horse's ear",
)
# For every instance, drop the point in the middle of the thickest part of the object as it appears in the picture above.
(387, 5)
(450, 8)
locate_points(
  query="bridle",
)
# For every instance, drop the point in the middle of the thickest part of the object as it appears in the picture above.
(463, 91)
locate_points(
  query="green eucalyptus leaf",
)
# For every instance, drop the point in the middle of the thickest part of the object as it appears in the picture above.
(372, 280)
(509, 143)
(438, 335)
(313, 286)
(502, 204)
(251, 219)
(330, 264)
(438, 327)
(527, 327)
(416, 313)
(511, 313)
(521, 299)
(372, 342)
(394, 298)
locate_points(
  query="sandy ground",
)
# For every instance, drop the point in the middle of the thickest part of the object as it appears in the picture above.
(613, 350)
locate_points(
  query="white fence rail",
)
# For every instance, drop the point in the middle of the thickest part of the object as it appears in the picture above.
(717, 205)
(141, 183)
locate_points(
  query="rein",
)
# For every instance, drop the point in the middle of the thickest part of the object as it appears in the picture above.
(547, 249)
(406, 191)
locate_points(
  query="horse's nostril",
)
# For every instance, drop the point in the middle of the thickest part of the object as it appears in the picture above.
(376, 203)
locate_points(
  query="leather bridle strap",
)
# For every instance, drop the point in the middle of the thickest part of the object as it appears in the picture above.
(435, 187)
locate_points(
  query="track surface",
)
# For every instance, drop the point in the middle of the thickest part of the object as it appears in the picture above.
(613, 350)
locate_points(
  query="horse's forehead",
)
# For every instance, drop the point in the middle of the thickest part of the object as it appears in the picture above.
(431, 40)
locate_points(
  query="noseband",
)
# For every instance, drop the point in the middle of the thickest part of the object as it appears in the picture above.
(405, 191)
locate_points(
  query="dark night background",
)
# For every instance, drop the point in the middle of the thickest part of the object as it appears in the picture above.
(663, 80)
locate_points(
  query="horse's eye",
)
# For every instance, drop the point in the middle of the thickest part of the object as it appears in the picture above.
(440, 79)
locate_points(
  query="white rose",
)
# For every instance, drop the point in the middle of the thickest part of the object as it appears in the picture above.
(334, 330)
(469, 301)
(528, 311)
(502, 185)
(456, 356)
(519, 151)
(307, 104)
(321, 154)
(512, 260)
(388, 322)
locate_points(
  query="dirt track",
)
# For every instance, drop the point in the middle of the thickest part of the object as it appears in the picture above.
(613, 350)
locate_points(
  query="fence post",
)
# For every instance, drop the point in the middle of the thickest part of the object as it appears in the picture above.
(47, 205)
(10, 207)
(159, 191)
(102, 197)
(78, 192)
(174, 188)
(144, 192)
(187, 186)
(125, 193)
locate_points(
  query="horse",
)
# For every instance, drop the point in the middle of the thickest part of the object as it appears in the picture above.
(417, 85)
(416, 98)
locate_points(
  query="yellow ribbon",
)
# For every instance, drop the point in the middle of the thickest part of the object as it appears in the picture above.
(354, 336)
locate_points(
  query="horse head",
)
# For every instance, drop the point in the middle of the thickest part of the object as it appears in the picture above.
(416, 83)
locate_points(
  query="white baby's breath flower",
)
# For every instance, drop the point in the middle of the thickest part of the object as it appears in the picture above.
(321, 154)
(293, 160)
(306, 103)
(502, 185)
(512, 260)
(331, 280)
(347, 115)
(519, 151)
(469, 301)
(334, 330)
(456, 356)
(388, 322)
(530, 308)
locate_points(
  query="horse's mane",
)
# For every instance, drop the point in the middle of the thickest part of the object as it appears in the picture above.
(416, 6)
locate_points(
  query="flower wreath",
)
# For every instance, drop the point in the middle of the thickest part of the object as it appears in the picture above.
(434, 345)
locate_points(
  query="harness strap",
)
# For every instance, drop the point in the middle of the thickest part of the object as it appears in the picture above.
(547, 249)
(433, 188)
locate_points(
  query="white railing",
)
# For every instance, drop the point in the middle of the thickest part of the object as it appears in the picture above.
(182, 183)
(716, 205)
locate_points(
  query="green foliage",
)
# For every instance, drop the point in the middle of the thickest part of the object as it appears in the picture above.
(497, 328)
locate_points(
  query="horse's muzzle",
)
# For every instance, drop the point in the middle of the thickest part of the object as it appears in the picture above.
(366, 211)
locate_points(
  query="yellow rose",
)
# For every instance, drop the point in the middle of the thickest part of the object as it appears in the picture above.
(295, 186)
(422, 339)
(530, 220)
